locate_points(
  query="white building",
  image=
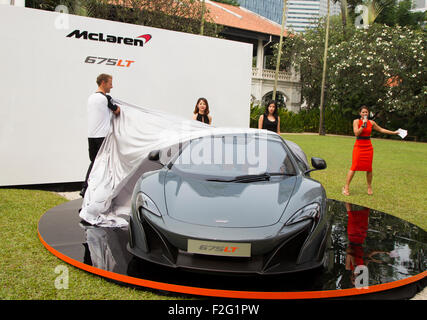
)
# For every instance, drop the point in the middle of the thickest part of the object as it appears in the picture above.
(303, 14)
(241, 24)
(419, 5)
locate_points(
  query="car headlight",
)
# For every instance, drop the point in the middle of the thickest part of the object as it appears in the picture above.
(144, 201)
(312, 211)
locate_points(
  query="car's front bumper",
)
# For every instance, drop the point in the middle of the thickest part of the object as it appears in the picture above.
(295, 248)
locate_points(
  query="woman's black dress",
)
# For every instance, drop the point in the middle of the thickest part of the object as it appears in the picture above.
(202, 118)
(269, 125)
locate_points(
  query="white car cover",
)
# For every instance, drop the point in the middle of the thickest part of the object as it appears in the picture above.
(133, 134)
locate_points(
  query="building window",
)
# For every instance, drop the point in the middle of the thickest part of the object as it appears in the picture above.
(280, 99)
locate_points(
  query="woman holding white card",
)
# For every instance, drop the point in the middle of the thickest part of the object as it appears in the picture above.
(363, 151)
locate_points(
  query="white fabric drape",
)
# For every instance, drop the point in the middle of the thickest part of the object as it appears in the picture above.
(134, 133)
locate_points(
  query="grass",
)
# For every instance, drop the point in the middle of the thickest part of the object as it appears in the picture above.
(399, 170)
(27, 269)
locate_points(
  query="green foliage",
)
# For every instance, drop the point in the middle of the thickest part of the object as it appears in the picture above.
(307, 120)
(305, 53)
(256, 112)
(293, 122)
(399, 13)
(382, 67)
(50, 5)
(394, 12)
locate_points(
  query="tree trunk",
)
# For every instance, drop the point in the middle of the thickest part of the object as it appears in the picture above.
(322, 92)
(344, 15)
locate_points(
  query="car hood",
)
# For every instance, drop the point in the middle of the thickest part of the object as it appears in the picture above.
(222, 204)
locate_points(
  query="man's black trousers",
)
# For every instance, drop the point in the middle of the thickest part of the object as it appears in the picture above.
(94, 145)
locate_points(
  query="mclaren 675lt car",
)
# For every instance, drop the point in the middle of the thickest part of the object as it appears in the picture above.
(240, 202)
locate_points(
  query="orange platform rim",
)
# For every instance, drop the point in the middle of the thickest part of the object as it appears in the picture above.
(232, 293)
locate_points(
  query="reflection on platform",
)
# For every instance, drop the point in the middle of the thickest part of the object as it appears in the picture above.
(105, 248)
(382, 246)
(366, 247)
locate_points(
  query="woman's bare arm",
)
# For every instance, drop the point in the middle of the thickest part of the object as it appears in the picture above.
(376, 127)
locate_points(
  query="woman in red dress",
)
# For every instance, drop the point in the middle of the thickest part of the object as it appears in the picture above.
(357, 230)
(363, 151)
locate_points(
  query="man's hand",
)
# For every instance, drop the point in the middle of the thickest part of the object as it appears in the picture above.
(113, 107)
(117, 112)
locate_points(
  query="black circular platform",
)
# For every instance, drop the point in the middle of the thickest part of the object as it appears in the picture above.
(389, 254)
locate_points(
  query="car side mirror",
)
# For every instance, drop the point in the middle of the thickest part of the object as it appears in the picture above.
(154, 155)
(317, 163)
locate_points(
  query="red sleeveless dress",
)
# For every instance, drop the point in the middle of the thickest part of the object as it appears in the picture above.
(363, 152)
(357, 228)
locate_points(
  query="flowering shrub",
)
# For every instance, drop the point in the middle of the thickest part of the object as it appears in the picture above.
(307, 120)
(382, 67)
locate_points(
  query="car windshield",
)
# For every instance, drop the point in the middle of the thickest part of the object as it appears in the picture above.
(231, 156)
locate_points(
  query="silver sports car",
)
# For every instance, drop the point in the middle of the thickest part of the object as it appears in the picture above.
(235, 203)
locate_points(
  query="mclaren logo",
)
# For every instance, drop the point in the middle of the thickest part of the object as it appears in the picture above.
(139, 41)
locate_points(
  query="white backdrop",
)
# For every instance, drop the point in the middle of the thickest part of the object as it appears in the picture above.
(45, 83)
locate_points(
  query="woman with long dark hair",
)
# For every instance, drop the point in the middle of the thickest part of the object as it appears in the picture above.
(363, 151)
(270, 120)
(201, 111)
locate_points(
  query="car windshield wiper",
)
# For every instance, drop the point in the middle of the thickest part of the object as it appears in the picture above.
(281, 174)
(252, 177)
(245, 178)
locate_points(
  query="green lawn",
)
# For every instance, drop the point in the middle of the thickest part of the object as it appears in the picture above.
(27, 269)
(399, 170)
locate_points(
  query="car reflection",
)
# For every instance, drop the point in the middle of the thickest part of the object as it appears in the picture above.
(389, 248)
(105, 248)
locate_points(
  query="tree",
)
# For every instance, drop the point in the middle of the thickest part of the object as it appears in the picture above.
(305, 54)
(182, 15)
(344, 15)
(383, 67)
(202, 23)
(322, 89)
(404, 16)
(393, 12)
